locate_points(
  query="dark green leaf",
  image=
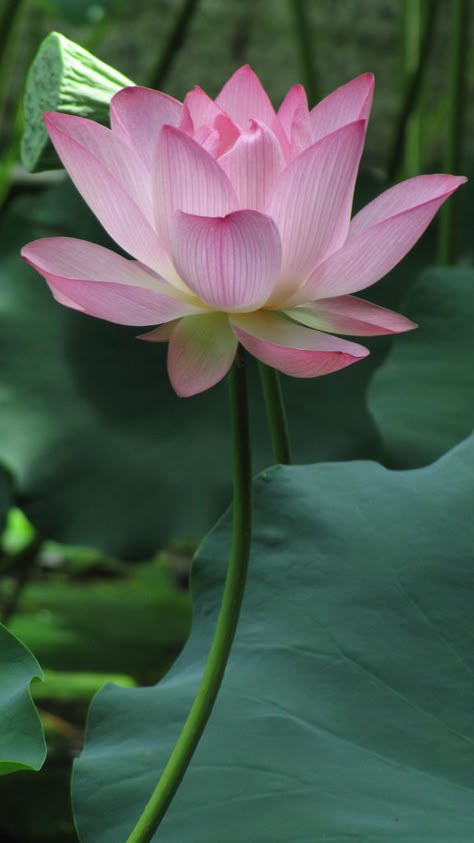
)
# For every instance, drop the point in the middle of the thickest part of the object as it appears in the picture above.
(21, 735)
(422, 397)
(346, 709)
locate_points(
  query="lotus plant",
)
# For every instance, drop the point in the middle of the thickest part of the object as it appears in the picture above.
(238, 221)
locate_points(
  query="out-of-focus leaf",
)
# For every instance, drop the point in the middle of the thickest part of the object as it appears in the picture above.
(103, 451)
(422, 397)
(135, 625)
(346, 708)
(21, 735)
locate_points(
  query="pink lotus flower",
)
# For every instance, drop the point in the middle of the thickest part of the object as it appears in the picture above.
(238, 220)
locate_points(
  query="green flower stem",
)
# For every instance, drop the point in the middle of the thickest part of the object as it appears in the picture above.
(276, 414)
(305, 39)
(227, 621)
(460, 14)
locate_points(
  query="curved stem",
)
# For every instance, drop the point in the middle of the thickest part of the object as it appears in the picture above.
(227, 621)
(276, 414)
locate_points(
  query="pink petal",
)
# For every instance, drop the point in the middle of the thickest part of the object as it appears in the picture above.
(209, 139)
(101, 283)
(200, 353)
(292, 349)
(138, 115)
(253, 164)
(293, 116)
(230, 262)
(188, 179)
(346, 104)
(200, 108)
(380, 236)
(200, 111)
(350, 315)
(243, 97)
(294, 101)
(110, 178)
(311, 203)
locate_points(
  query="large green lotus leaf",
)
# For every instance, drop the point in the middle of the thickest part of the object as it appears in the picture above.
(422, 397)
(102, 450)
(22, 745)
(346, 709)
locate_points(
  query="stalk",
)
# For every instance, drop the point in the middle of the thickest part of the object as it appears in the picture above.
(227, 621)
(276, 414)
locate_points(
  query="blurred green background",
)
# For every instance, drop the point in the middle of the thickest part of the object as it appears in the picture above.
(109, 480)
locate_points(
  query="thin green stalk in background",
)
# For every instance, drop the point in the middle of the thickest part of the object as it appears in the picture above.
(411, 19)
(173, 44)
(415, 57)
(228, 616)
(276, 414)
(307, 49)
(453, 160)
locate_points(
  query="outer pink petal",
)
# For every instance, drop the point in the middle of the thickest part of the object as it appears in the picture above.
(138, 114)
(200, 353)
(253, 164)
(243, 97)
(312, 200)
(103, 169)
(101, 283)
(114, 152)
(188, 179)
(292, 349)
(350, 315)
(346, 104)
(380, 236)
(230, 262)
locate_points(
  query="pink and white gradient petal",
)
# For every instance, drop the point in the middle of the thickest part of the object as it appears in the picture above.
(137, 116)
(200, 353)
(188, 179)
(98, 173)
(350, 102)
(379, 237)
(253, 164)
(243, 97)
(311, 203)
(230, 262)
(350, 315)
(291, 348)
(99, 282)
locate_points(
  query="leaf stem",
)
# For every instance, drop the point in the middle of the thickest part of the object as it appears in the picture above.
(460, 14)
(229, 613)
(276, 414)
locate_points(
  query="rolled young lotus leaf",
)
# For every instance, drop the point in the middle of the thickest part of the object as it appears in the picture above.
(63, 77)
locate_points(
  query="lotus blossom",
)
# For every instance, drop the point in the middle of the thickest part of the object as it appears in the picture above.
(238, 220)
